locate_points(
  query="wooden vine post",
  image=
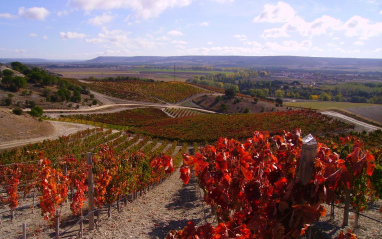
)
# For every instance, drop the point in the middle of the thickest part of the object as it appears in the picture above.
(90, 192)
(347, 206)
(308, 155)
(57, 224)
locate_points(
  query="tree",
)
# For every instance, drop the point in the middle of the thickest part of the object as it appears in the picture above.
(35, 77)
(18, 82)
(325, 96)
(263, 73)
(224, 107)
(76, 97)
(8, 72)
(279, 101)
(6, 101)
(280, 93)
(338, 97)
(37, 111)
(313, 97)
(230, 93)
(7, 80)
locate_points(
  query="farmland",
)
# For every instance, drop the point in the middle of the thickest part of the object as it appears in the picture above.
(325, 105)
(166, 74)
(171, 92)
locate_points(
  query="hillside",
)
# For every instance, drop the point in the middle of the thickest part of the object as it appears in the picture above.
(236, 105)
(24, 126)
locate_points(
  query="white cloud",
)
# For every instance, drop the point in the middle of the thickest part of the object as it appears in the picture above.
(356, 26)
(116, 38)
(222, 1)
(14, 51)
(289, 46)
(144, 43)
(361, 27)
(252, 43)
(274, 33)
(7, 15)
(175, 33)
(317, 49)
(143, 8)
(34, 13)
(101, 20)
(204, 24)
(72, 35)
(225, 51)
(62, 13)
(318, 26)
(179, 42)
(45, 37)
(358, 43)
(380, 12)
(32, 34)
(210, 43)
(282, 12)
(241, 37)
(330, 44)
(378, 50)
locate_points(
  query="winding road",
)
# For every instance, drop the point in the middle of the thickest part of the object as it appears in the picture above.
(366, 126)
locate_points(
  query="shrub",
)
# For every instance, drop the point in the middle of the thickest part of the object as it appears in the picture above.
(37, 111)
(17, 111)
(6, 101)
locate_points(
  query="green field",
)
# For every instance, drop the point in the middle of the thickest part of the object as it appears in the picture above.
(324, 105)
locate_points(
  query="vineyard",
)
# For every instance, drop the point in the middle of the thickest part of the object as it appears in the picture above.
(52, 175)
(252, 187)
(209, 127)
(170, 92)
(179, 113)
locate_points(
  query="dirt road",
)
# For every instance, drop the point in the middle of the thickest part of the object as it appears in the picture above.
(359, 125)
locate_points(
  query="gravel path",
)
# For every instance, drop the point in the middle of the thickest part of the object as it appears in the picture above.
(169, 206)
(357, 123)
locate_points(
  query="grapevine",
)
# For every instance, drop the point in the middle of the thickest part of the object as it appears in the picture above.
(253, 189)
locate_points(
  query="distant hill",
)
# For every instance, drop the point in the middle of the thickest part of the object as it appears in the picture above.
(244, 61)
(291, 62)
(22, 60)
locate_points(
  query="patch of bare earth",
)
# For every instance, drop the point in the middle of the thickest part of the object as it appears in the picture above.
(236, 105)
(371, 112)
(169, 206)
(13, 127)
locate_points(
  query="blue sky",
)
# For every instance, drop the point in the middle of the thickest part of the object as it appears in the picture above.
(85, 29)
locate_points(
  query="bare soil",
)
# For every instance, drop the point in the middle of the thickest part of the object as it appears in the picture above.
(371, 112)
(208, 102)
(13, 127)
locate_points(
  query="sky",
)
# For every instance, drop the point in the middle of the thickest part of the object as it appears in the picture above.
(85, 29)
